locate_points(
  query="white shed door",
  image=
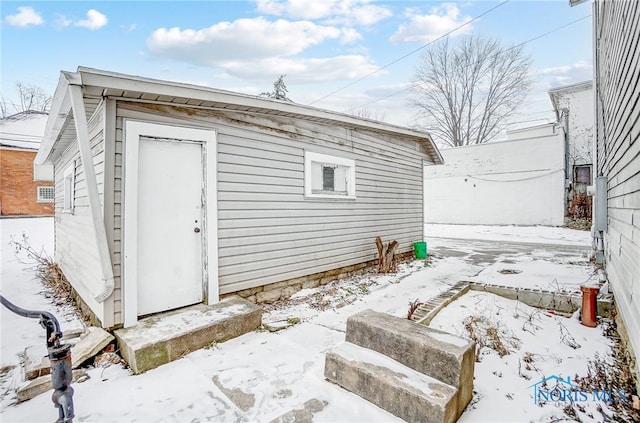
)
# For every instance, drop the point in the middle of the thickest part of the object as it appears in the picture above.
(170, 213)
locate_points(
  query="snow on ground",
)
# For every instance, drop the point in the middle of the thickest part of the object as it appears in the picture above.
(540, 345)
(529, 234)
(549, 267)
(271, 373)
(19, 285)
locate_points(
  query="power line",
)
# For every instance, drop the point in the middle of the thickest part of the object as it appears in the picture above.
(408, 54)
(510, 48)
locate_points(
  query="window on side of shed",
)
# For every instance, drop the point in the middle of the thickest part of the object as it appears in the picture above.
(46, 194)
(69, 189)
(328, 176)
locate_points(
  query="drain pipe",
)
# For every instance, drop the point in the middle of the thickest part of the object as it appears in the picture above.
(59, 356)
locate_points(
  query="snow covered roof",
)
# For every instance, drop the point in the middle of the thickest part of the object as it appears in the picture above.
(23, 130)
(97, 84)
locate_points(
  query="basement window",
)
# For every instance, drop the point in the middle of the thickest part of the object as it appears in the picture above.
(328, 176)
(46, 194)
(69, 191)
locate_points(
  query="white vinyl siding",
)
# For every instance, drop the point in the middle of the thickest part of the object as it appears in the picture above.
(618, 149)
(267, 230)
(76, 250)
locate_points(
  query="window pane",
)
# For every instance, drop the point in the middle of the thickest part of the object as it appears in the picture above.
(46, 194)
(328, 178)
(583, 174)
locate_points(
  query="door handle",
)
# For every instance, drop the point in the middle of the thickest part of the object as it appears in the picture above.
(196, 229)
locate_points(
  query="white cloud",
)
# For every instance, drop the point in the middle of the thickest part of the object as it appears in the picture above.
(25, 17)
(240, 40)
(95, 20)
(303, 70)
(426, 28)
(259, 49)
(349, 36)
(557, 76)
(350, 12)
(62, 21)
(129, 28)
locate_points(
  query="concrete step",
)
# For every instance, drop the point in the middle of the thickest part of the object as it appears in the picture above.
(404, 392)
(441, 355)
(165, 337)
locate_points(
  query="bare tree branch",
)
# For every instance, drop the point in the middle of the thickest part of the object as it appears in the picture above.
(464, 93)
(30, 98)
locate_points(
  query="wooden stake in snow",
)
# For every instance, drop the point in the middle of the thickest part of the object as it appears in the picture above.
(387, 261)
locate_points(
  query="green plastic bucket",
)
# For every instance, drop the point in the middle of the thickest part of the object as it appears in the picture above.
(420, 250)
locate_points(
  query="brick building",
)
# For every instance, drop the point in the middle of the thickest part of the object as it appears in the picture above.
(20, 193)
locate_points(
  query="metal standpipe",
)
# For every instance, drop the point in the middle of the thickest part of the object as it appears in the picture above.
(59, 356)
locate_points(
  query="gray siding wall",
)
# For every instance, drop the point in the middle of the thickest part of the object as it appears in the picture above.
(75, 243)
(267, 230)
(618, 149)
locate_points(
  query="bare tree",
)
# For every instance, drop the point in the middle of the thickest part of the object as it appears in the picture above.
(279, 90)
(367, 113)
(30, 98)
(465, 92)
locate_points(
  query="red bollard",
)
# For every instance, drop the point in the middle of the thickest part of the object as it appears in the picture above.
(589, 305)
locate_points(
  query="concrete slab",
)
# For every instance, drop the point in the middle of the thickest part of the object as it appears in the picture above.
(441, 355)
(84, 345)
(302, 415)
(241, 399)
(41, 385)
(91, 342)
(162, 338)
(402, 391)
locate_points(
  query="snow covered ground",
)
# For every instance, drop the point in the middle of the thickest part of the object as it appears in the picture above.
(269, 374)
(527, 234)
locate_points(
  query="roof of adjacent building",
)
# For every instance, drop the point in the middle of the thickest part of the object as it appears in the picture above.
(98, 84)
(23, 130)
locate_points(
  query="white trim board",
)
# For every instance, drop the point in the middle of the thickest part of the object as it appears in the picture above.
(133, 131)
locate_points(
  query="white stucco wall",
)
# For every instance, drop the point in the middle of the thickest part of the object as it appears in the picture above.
(511, 182)
(577, 101)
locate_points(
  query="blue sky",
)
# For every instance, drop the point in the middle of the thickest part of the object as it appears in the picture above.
(321, 45)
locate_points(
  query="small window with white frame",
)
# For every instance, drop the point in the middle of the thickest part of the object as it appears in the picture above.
(69, 191)
(328, 176)
(46, 194)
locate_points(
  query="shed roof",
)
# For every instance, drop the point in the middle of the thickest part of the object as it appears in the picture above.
(97, 84)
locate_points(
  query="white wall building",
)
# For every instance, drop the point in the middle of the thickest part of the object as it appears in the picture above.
(519, 182)
(573, 105)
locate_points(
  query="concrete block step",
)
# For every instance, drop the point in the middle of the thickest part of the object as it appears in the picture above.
(427, 311)
(165, 337)
(394, 387)
(440, 355)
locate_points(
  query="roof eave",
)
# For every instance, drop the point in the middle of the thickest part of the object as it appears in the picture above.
(60, 109)
(117, 81)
